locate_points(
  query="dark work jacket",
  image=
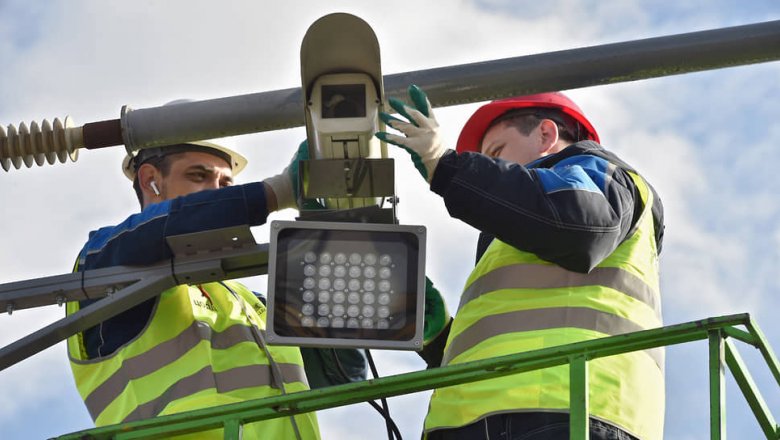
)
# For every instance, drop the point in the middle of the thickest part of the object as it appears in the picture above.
(572, 208)
(140, 240)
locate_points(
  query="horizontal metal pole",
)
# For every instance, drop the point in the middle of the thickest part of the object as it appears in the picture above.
(466, 83)
(85, 318)
(330, 397)
(249, 260)
(595, 65)
(126, 287)
(59, 289)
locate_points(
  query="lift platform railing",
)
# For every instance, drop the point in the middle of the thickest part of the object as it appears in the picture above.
(720, 331)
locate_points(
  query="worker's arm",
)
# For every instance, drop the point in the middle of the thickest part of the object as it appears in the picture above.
(333, 366)
(572, 209)
(140, 239)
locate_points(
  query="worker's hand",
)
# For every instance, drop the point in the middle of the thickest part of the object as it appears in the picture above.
(436, 315)
(285, 184)
(422, 138)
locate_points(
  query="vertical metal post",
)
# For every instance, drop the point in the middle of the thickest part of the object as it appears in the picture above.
(717, 386)
(233, 429)
(579, 426)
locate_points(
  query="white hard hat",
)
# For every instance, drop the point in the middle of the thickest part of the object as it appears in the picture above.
(133, 160)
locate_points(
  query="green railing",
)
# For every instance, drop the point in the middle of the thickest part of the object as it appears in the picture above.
(719, 331)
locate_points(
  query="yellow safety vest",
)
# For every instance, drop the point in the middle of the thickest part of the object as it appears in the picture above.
(197, 351)
(515, 302)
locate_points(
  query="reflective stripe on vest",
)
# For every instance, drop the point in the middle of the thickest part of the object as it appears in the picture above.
(515, 302)
(543, 319)
(168, 352)
(540, 276)
(237, 378)
(197, 351)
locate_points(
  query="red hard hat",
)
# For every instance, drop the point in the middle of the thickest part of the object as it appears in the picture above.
(474, 130)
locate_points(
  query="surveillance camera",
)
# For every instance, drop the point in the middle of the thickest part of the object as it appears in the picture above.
(342, 115)
(349, 171)
(343, 110)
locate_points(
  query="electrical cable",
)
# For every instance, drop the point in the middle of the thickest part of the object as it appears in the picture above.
(388, 418)
(392, 427)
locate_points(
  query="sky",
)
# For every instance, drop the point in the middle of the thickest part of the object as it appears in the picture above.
(704, 140)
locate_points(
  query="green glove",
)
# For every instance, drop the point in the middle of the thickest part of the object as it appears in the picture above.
(436, 315)
(285, 184)
(422, 138)
(301, 154)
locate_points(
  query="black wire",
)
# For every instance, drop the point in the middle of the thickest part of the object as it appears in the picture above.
(383, 412)
(391, 427)
(388, 418)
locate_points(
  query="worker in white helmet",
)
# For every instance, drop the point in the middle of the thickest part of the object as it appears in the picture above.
(193, 346)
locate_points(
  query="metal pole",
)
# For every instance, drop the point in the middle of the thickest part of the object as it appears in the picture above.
(85, 318)
(60, 289)
(199, 257)
(467, 83)
(751, 392)
(579, 423)
(717, 386)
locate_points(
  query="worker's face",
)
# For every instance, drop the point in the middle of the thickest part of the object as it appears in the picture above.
(192, 172)
(504, 141)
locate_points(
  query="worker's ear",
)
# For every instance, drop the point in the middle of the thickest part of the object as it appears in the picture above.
(147, 174)
(548, 131)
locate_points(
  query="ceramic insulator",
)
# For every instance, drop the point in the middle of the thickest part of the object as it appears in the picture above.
(39, 143)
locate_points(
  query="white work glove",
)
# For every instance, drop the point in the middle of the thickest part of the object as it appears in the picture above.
(284, 184)
(423, 138)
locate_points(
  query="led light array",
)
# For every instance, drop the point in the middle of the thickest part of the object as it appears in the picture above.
(351, 290)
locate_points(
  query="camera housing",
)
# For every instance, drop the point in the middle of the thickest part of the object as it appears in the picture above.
(344, 112)
(343, 95)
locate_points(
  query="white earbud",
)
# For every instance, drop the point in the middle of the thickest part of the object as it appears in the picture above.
(153, 184)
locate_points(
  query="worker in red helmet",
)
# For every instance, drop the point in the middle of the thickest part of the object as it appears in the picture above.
(568, 252)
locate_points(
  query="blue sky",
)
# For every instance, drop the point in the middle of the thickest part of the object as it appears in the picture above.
(706, 141)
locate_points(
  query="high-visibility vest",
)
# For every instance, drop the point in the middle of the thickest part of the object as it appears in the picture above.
(515, 302)
(197, 351)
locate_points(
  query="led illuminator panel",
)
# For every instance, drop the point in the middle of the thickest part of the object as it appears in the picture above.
(346, 285)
